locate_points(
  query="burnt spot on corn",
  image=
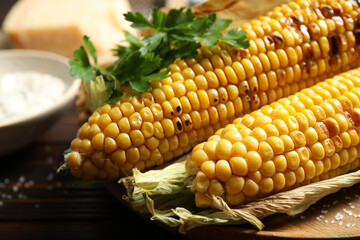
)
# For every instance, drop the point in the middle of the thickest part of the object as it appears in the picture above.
(248, 100)
(216, 99)
(278, 40)
(333, 45)
(178, 109)
(243, 53)
(348, 21)
(337, 9)
(326, 10)
(281, 76)
(269, 41)
(357, 31)
(179, 125)
(355, 113)
(172, 113)
(318, 13)
(314, 31)
(305, 67)
(284, 21)
(255, 89)
(255, 99)
(187, 122)
(307, 52)
(295, 21)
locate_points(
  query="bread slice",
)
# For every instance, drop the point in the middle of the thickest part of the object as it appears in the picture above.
(59, 25)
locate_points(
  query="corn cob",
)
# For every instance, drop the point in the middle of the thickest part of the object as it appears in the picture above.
(292, 47)
(310, 136)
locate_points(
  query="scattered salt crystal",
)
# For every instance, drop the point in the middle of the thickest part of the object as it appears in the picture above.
(50, 176)
(339, 216)
(353, 224)
(321, 216)
(22, 179)
(326, 221)
(324, 211)
(332, 221)
(15, 188)
(352, 206)
(6, 180)
(348, 225)
(318, 218)
(302, 216)
(341, 223)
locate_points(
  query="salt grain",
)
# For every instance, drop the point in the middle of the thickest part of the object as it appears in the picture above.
(341, 223)
(22, 179)
(15, 188)
(339, 216)
(50, 176)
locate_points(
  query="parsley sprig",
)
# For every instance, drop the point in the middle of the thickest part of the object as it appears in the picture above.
(176, 34)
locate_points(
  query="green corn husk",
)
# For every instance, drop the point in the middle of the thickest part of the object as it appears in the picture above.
(166, 194)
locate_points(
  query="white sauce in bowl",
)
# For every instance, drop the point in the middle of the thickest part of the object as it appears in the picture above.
(25, 93)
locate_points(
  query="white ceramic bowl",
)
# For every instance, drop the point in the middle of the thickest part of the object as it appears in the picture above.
(21, 132)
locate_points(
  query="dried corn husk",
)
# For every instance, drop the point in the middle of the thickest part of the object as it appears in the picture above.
(166, 194)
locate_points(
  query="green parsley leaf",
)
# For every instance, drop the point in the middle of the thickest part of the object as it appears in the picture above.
(90, 47)
(138, 20)
(177, 34)
(80, 66)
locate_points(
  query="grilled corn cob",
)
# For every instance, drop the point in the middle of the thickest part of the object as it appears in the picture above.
(292, 47)
(310, 136)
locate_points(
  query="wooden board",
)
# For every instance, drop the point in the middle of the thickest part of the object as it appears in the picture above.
(336, 216)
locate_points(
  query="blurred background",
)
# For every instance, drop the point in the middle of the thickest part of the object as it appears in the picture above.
(143, 6)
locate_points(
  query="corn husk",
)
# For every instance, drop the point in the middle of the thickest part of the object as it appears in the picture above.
(166, 194)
